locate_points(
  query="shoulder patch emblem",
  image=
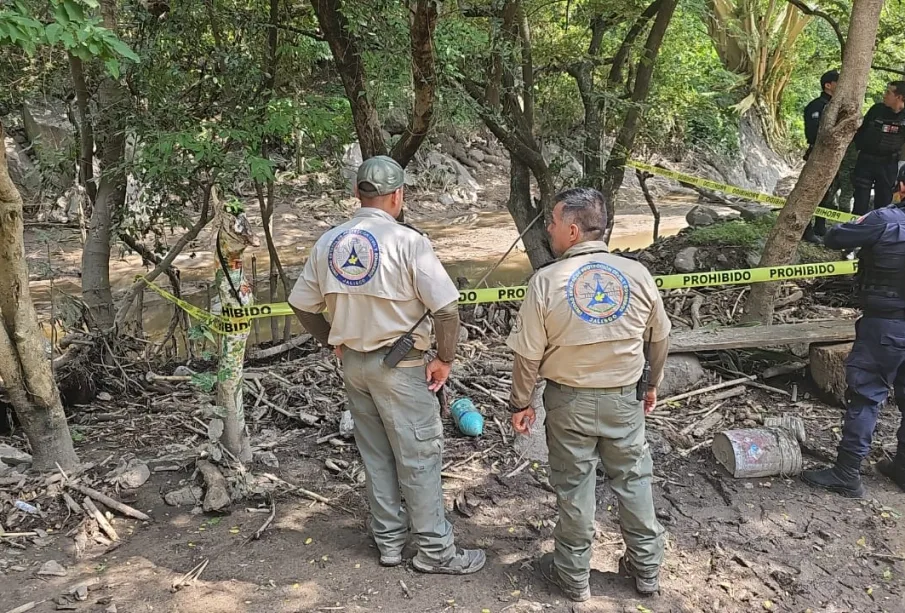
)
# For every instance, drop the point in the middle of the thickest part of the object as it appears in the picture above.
(353, 257)
(598, 293)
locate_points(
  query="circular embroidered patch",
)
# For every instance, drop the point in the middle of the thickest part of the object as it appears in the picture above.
(597, 293)
(354, 256)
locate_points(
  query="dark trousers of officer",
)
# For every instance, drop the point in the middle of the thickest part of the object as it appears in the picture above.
(877, 361)
(877, 173)
(818, 225)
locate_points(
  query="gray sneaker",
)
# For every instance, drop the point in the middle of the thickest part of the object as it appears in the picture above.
(465, 562)
(646, 585)
(390, 560)
(551, 574)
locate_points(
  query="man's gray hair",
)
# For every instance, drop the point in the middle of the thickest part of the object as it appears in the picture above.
(584, 207)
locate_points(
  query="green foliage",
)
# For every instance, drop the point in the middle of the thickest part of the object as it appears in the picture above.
(72, 26)
(736, 233)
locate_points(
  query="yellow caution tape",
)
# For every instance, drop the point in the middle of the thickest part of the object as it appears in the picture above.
(237, 319)
(735, 191)
(757, 275)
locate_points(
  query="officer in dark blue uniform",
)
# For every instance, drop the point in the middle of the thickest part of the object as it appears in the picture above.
(812, 114)
(877, 360)
(879, 140)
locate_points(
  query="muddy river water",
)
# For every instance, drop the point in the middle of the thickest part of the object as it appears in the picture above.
(469, 246)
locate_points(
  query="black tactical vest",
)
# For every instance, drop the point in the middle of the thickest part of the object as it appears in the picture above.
(885, 136)
(881, 277)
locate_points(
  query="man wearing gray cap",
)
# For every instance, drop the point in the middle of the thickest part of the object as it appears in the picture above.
(379, 279)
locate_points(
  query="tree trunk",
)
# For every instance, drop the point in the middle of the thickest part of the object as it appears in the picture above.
(113, 102)
(839, 123)
(86, 131)
(625, 141)
(230, 367)
(524, 210)
(26, 372)
(424, 77)
(347, 56)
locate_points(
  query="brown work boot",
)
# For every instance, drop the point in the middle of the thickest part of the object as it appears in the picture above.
(465, 562)
(575, 593)
(647, 584)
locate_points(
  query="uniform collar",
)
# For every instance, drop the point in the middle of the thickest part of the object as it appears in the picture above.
(372, 213)
(586, 247)
(826, 96)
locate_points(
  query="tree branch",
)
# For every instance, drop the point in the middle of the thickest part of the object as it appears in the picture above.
(619, 60)
(165, 263)
(804, 8)
(312, 34)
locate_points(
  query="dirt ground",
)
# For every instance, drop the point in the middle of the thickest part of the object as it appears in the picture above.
(734, 545)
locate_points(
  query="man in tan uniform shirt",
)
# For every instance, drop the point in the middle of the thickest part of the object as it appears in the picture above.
(377, 278)
(582, 327)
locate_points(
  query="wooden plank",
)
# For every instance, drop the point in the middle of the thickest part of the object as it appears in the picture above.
(690, 341)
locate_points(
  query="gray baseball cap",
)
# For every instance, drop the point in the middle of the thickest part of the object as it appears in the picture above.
(379, 176)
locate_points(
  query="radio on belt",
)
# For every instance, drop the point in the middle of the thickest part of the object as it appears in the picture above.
(403, 345)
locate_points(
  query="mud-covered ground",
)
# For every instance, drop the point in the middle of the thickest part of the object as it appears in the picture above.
(734, 545)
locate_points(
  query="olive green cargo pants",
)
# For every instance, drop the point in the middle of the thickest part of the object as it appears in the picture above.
(400, 437)
(582, 426)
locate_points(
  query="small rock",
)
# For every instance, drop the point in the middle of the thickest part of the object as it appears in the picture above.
(81, 593)
(52, 568)
(685, 261)
(104, 397)
(111, 609)
(477, 155)
(701, 216)
(722, 260)
(13, 456)
(184, 497)
(135, 474)
(447, 200)
(267, 458)
(346, 424)
(183, 371)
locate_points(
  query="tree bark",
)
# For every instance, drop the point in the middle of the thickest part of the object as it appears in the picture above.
(625, 141)
(524, 209)
(86, 130)
(424, 76)
(26, 372)
(839, 123)
(347, 56)
(113, 101)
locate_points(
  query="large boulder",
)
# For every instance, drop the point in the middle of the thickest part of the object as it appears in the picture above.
(701, 216)
(828, 369)
(48, 128)
(683, 371)
(565, 165)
